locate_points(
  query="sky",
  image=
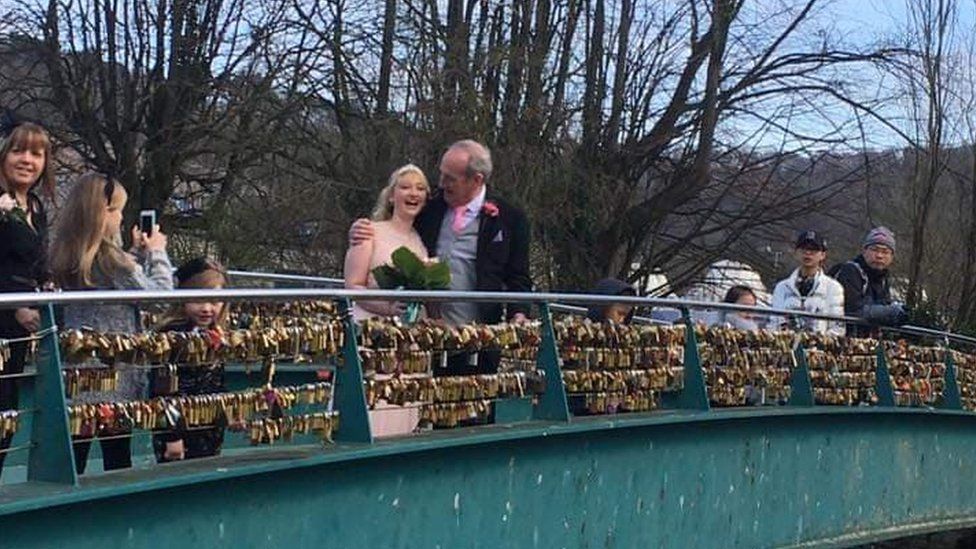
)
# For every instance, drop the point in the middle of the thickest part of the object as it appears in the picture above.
(857, 25)
(869, 18)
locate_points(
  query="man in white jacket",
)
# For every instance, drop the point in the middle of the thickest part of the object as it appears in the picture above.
(809, 289)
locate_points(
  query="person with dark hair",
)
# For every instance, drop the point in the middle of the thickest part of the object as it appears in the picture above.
(25, 167)
(208, 317)
(740, 320)
(809, 289)
(617, 313)
(867, 289)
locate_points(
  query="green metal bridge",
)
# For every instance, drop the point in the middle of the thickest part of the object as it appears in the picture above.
(686, 476)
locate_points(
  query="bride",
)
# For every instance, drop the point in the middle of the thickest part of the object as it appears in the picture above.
(396, 208)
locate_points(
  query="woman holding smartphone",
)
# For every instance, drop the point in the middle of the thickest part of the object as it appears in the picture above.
(87, 254)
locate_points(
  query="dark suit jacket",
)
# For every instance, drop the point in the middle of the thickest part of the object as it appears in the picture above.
(502, 263)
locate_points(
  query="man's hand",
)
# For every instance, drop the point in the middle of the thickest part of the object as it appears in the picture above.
(30, 319)
(361, 231)
(901, 314)
(175, 450)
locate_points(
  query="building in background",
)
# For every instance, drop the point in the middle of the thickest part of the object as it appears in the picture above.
(721, 276)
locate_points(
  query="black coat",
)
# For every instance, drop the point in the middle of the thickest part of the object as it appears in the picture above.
(502, 262)
(867, 294)
(193, 380)
(22, 259)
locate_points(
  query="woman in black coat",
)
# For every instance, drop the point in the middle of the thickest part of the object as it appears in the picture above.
(25, 167)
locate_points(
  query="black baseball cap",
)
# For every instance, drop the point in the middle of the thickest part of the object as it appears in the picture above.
(811, 239)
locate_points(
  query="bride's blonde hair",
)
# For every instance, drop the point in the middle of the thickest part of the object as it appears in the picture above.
(384, 204)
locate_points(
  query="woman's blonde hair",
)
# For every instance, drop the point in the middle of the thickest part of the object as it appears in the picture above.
(384, 204)
(27, 136)
(84, 253)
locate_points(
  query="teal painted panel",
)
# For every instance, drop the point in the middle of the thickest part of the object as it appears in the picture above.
(693, 394)
(801, 388)
(736, 479)
(882, 379)
(951, 399)
(511, 410)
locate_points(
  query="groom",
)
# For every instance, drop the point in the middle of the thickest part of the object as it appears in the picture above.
(483, 239)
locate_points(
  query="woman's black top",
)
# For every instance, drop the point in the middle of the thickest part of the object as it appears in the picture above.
(22, 258)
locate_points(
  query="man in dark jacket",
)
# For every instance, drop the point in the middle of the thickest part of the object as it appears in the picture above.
(867, 290)
(483, 238)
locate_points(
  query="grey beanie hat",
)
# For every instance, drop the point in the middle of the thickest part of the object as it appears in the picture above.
(880, 236)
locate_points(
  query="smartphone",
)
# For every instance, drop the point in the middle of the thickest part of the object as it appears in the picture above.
(147, 220)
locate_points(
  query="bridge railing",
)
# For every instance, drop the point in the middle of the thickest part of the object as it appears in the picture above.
(50, 448)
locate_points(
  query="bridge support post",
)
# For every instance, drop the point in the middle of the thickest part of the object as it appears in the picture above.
(350, 396)
(801, 388)
(553, 403)
(951, 399)
(693, 394)
(882, 379)
(51, 458)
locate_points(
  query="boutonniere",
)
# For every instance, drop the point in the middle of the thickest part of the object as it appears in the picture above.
(11, 210)
(490, 209)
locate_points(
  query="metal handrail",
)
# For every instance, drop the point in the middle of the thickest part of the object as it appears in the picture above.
(276, 277)
(929, 332)
(22, 299)
(563, 308)
(340, 283)
(26, 299)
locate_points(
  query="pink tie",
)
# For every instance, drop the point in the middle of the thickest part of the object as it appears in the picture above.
(458, 223)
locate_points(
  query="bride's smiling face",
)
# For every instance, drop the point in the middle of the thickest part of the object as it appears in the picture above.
(409, 195)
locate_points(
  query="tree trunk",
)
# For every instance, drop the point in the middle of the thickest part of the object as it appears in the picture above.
(595, 81)
(557, 110)
(386, 59)
(620, 74)
(521, 23)
(967, 306)
(455, 52)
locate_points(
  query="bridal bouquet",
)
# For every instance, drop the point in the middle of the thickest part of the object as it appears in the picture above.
(409, 272)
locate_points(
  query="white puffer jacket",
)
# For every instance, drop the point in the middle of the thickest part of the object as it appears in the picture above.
(826, 297)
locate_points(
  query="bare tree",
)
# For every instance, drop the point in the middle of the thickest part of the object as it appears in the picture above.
(931, 31)
(649, 132)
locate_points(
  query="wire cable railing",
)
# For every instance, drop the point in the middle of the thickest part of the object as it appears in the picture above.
(675, 303)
